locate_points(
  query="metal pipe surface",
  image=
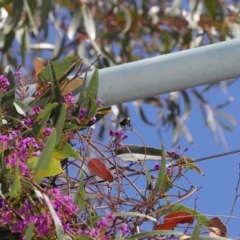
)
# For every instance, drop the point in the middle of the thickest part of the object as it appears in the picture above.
(168, 73)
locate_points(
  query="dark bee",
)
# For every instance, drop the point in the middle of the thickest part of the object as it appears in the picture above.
(125, 122)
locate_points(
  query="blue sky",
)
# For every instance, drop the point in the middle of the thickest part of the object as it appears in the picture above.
(217, 193)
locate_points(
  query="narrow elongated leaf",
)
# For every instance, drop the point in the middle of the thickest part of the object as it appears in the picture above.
(80, 195)
(16, 186)
(74, 24)
(90, 91)
(144, 117)
(45, 158)
(56, 93)
(88, 22)
(84, 237)
(153, 233)
(57, 222)
(196, 232)
(132, 153)
(162, 172)
(29, 232)
(42, 119)
(60, 122)
(137, 214)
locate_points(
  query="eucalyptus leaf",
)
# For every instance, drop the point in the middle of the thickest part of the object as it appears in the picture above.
(132, 153)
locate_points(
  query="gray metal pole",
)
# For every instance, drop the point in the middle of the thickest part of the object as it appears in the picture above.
(168, 73)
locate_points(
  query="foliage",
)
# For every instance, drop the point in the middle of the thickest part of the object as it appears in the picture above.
(124, 31)
(51, 187)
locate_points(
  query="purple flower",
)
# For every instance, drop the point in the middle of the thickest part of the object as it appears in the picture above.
(93, 119)
(99, 102)
(68, 99)
(36, 110)
(124, 229)
(157, 166)
(83, 113)
(102, 223)
(174, 153)
(28, 122)
(48, 131)
(4, 83)
(112, 133)
(110, 216)
(18, 73)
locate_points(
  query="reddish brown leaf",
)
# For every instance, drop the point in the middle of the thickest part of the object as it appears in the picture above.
(218, 227)
(38, 67)
(98, 168)
(70, 86)
(173, 219)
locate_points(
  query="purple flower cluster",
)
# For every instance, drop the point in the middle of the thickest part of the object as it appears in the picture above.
(82, 113)
(39, 215)
(118, 137)
(4, 83)
(124, 229)
(101, 228)
(23, 150)
(68, 99)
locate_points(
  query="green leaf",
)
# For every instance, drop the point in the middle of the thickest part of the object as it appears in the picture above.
(71, 127)
(62, 69)
(16, 186)
(153, 233)
(75, 23)
(132, 153)
(30, 17)
(55, 92)
(67, 151)
(42, 119)
(17, 7)
(83, 237)
(29, 232)
(137, 214)
(60, 122)
(92, 110)
(194, 167)
(21, 108)
(45, 158)
(80, 195)
(211, 8)
(90, 92)
(88, 22)
(54, 166)
(162, 172)
(199, 217)
(45, 10)
(196, 232)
